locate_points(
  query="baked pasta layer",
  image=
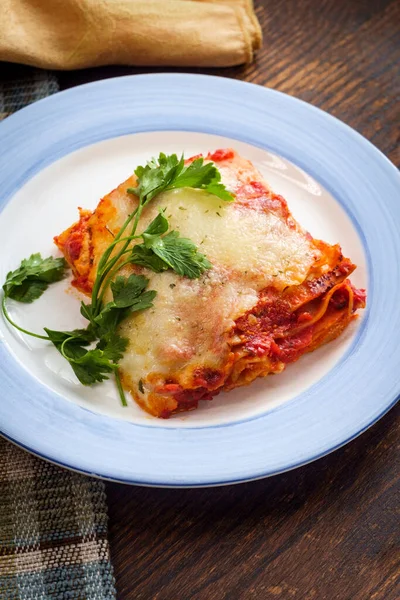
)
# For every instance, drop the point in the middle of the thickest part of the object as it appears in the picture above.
(273, 292)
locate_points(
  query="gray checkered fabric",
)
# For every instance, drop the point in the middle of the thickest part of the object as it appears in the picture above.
(17, 93)
(53, 523)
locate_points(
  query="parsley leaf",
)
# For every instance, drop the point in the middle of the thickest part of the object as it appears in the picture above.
(218, 189)
(145, 257)
(94, 366)
(169, 172)
(170, 251)
(87, 312)
(180, 254)
(126, 290)
(143, 302)
(32, 278)
(158, 226)
(203, 176)
(129, 296)
(156, 176)
(90, 366)
(196, 175)
(28, 291)
(113, 346)
(107, 320)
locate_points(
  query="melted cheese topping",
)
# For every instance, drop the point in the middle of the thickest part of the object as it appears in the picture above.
(249, 248)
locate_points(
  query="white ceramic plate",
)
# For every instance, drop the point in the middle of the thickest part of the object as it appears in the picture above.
(70, 150)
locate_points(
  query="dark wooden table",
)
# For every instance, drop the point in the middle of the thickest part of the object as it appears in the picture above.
(330, 530)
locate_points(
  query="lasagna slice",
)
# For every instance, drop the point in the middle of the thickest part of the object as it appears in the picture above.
(272, 294)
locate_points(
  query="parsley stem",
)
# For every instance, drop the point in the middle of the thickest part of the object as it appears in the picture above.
(120, 388)
(106, 255)
(7, 316)
(105, 267)
(128, 238)
(62, 352)
(116, 258)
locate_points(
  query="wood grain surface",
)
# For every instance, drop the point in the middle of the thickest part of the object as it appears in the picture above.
(330, 530)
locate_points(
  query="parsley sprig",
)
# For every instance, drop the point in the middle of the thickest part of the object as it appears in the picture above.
(160, 250)
(90, 365)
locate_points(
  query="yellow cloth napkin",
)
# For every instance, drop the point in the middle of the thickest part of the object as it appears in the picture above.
(73, 34)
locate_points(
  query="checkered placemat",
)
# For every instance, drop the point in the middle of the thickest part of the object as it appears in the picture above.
(53, 523)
